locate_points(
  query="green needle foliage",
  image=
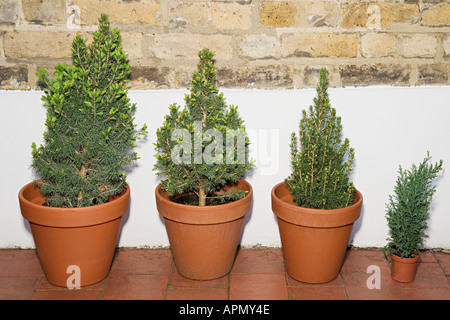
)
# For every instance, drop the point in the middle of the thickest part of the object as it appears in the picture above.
(202, 147)
(408, 209)
(90, 132)
(321, 168)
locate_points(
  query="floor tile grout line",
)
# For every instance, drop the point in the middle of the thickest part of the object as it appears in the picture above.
(100, 296)
(345, 287)
(34, 288)
(169, 279)
(229, 286)
(403, 291)
(442, 268)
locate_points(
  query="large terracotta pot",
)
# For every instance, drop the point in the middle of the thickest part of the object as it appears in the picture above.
(85, 237)
(203, 240)
(404, 269)
(314, 241)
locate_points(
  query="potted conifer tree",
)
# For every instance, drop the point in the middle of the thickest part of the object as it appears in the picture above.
(407, 216)
(317, 204)
(75, 208)
(202, 157)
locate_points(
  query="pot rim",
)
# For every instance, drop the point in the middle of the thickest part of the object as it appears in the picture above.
(413, 259)
(316, 218)
(30, 197)
(213, 214)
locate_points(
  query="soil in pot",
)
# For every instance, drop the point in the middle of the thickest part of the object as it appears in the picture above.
(192, 199)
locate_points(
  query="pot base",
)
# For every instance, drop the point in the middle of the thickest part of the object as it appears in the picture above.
(204, 252)
(75, 245)
(91, 249)
(404, 269)
(313, 255)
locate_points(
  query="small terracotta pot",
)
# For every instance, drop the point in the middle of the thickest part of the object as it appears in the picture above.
(314, 241)
(203, 240)
(404, 269)
(85, 237)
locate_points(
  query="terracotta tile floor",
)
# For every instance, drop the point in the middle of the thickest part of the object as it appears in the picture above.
(257, 274)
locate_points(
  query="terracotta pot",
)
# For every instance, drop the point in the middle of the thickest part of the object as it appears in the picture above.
(85, 237)
(404, 269)
(203, 240)
(314, 241)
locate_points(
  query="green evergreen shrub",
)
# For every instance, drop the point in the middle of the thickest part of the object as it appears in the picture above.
(321, 162)
(90, 131)
(408, 209)
(204, 146)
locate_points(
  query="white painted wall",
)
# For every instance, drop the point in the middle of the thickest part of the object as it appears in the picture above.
(387, 126)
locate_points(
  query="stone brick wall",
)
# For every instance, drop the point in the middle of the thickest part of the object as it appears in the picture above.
(258, 43)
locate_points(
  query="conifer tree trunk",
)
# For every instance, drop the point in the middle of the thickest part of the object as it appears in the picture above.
(201, 196)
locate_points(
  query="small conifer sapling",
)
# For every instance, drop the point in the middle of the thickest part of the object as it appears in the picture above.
(90, 124)
(321, 161)
(408, 210)
(204, 146)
